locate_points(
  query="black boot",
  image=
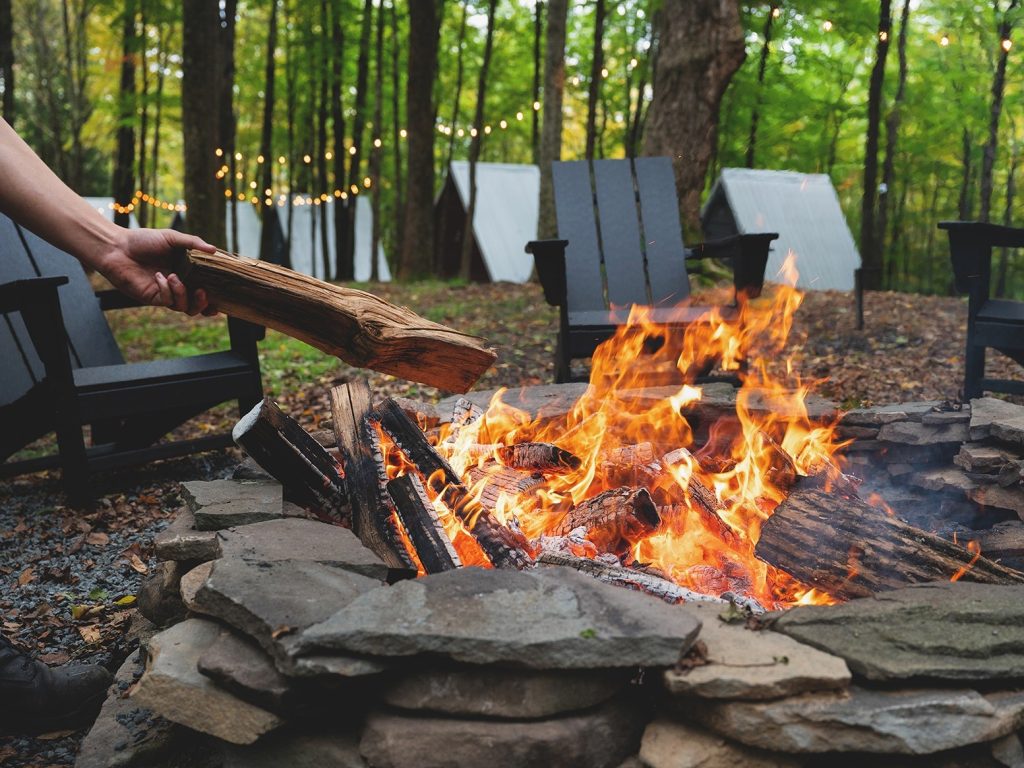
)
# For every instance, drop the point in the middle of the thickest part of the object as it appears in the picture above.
(37, 699)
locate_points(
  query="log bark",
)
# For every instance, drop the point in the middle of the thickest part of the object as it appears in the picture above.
(433, 547)
(502, 546)
(360, 328)
(310, 475)
(612, 518)
(373, 514)
(849, 549)
(539, 457)
(501, 481)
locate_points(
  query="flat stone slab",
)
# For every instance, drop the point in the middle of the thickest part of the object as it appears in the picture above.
(915, 433)
(941, 631)
(671, 744)
(878, 415)
(242, 667)
(1011, 499)
(543, 619)
(980, 457)
(181, 541)
(949, 479)
(499, 692)
(291, 749)
(754, 665)
(906, 722)
(1003, 540)
(601, 738)
(273, 602)
(174, 688)
(220, 504)
(987, 410)
(301, 540)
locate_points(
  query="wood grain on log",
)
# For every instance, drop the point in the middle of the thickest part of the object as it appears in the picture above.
(612, 518)
(849, 549)
(373, 514)
(433, 547)
(540, 457)
(310, 475)
(498, 481)
(362, 329)
(504, 547)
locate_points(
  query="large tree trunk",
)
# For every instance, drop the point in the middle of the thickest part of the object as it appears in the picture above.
(344, 270)
(201, 55)
(459, 71)
(596, 80)
(870, 249)
(7, 61)
(358, 129)
(227, 108)
(418, 238)
(538, 29)
(124, 162)
(267, 231)
(755, 117)
(551, 128)
(892, 129)
(700, 48)
(477, 138)
(988, 159)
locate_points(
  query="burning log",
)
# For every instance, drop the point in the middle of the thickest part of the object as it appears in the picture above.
(310, 475)
(503, 546)
(850, 549)
(612, 517)
(539, 457)
(702, 499)
(640, 581)
(629, 455)
(433, 547)
(498, 481)
(373, 513)
(360, 328)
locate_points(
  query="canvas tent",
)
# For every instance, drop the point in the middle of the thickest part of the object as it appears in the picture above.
(505, 220)
(802, 207)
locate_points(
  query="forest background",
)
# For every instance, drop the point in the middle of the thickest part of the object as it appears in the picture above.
(913, 107)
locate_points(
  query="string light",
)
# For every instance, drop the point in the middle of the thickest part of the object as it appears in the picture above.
(944, 41)
(328, 155)
(377, 143)
(776, 12)
(827, 25)
(883, 35)
(219, 152)
(1007, 44)
(142, 197)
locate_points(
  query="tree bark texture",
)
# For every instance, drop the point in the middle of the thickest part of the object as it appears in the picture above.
(700, 47)
(398, 211)
(376, 149)
(538, 29)
(988, 159)
(345, 270)
(460, 68)
(267, 230)
(227, 110)
(762, 65)
(124, 161)
(596, 80)
(892, 128)
(358, 129)
(551, 127)
(417, 258)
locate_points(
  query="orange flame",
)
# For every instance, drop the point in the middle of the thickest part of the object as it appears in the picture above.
(974, 547)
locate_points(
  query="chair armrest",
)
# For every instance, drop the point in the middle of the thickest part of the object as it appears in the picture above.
(111, 298)
(19, 294)
(749, 255)
(992, 235)
(549, 258)
(970, 249)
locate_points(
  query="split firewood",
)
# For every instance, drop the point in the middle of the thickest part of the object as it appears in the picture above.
(539, 457)
(619, 576)
(362, 329)
(310, 475)
(373, 513)
(433, 547)
(628, 455)
(629, 465)
(847, 548)
(503, 546)
(494, 481)
(613, 518)
(701, 498)
(715, 458)
(465, 412)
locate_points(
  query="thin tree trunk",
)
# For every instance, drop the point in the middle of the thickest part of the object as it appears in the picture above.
(418, 237)
(355, 169)
(871, 254)
(459, 70)
(477, 137)
(124, 177)
(7, 61)
(1011, 191)
(340, 208)
(551, 128)
(892, 127)
(538, 28)
(964, 203)
(266, 143)
(755, 117)
(228, 123)
(396, 132)
(596, 65)
(201, 56)
(321, 154)
(290, 74)
(143, 210)
(988, 159)
(74, 98)
(161, 66)
(376, 150)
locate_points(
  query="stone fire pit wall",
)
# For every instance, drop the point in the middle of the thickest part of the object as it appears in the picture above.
(282, 642)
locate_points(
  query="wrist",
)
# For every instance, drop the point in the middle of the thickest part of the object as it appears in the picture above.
(103, 243)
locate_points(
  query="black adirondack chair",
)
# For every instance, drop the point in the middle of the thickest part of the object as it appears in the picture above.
(63, 369)
(621, 244)
(991, 323)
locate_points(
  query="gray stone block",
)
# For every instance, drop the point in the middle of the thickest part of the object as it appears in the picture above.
(219, 504)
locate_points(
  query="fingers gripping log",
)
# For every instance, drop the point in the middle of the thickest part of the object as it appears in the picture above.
(362, 329)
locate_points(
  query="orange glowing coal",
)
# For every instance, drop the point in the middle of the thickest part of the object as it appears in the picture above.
(711, 498)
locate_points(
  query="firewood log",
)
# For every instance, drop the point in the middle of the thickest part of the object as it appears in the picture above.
(612, 518)
(498, 480)
(540, 457)
(433, 547)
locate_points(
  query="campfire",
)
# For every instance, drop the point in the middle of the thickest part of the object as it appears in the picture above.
(635, 485)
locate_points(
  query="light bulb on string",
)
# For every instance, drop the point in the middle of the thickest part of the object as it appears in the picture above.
(827, 25)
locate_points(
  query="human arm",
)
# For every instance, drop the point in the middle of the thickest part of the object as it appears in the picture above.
(138, 262)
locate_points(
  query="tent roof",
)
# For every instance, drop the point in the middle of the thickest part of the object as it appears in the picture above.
(804, 209)
(505, 219)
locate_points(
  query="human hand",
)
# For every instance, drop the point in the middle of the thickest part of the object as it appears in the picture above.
(140, 266)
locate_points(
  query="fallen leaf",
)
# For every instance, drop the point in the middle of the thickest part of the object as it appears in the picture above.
(126, 600)
(284, 629)
(54, 735)
(29, 574)
(84, 612)
(97, 539)
(137, 565)
(55, 659)
(91, 634)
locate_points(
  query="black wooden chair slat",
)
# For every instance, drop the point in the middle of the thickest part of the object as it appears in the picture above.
(620, 234)
(666, 266)
(574, 200)
(157, 371)
(18, 352)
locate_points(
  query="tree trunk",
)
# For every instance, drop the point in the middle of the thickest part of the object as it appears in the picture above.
(459, 71)
(228, 123)
(551, 128)
(596, 80)
(892, 128)
(1011, 191)
(418, 237)
(161, 66)
(290, 73)
(871, 252)
(358, 129)
(376, 150)
(964, 204)
(342, 267)
(7, 61)
(477, 137)
(538, 28)
(267, 231)
(321, 152)
(75, 99)
(988, 159)
(700, 48)
(755, 117)
(398, 211)
(201, 56)
(124, 176)
(142, 214)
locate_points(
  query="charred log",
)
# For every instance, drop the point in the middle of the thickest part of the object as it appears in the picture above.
(310, 475)
(539, 457)
(433, 547)
(850, 549)
(498, 481)
(613, 518)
